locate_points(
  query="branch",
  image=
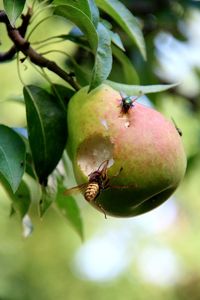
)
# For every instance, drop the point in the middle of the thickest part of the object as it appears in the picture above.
(8, 55)
(22, 45)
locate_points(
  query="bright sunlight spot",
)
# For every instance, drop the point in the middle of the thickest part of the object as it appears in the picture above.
(159, 265)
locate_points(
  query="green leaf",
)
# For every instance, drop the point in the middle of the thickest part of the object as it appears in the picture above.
(129, 73)
(103, 58)
(12, 156)
(47, 129)
(78, 39)
(82, 20)
(13, 9)
(99, 40)
(21, 200)
(88, 7)
(140, 89)
(82, 5)
(68, 205)
(30, 166)
(126, 20)
(94, 12)
(116, 40)
(82, 75)
(69, 209)
(62, 92)
(47, 198)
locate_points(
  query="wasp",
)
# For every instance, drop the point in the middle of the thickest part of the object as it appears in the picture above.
(127, 102)
(98, 181)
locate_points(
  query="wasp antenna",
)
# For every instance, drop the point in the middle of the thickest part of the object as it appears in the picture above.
(104, 164)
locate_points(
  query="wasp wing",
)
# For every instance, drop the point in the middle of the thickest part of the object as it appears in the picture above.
(76, 189)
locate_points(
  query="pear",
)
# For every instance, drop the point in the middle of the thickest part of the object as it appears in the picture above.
(145, 151)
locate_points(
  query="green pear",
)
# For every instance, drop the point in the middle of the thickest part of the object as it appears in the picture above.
(145, 151)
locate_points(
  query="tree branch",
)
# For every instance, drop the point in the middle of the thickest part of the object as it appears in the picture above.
(20, 44)
(8, 55)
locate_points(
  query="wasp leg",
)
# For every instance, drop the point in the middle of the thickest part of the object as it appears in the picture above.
(123, 186)
(101, 208)
(117, 174)
(106, 184)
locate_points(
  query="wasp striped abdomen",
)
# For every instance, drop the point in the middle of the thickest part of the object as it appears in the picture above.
(92, 191)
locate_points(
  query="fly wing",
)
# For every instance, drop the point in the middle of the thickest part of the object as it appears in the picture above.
(134, 98)
(122, 94)
(76, 189)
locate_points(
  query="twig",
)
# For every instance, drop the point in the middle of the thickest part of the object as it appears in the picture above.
(8, 55)
(23, 45)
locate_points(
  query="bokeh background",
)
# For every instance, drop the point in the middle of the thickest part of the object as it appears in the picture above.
(155, 255)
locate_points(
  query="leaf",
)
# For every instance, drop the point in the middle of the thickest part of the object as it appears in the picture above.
(62, 92)
(76, 38)
(47, 130)
(99, 40)
(30, 166)
(140, 89)
(21, 200)
(88, 7)
(129, 72)
(79, 18)
(82, 75)
(103, 58)
(94, 12)
(48, 196)
(126, 20)
(13, 9)
(68, 205)
(12, 156)
(116, 40)
(82, 5)
(69, 209)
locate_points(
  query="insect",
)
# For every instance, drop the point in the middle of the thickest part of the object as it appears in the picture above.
(98, 181)
(178, 129)
(127, 102)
